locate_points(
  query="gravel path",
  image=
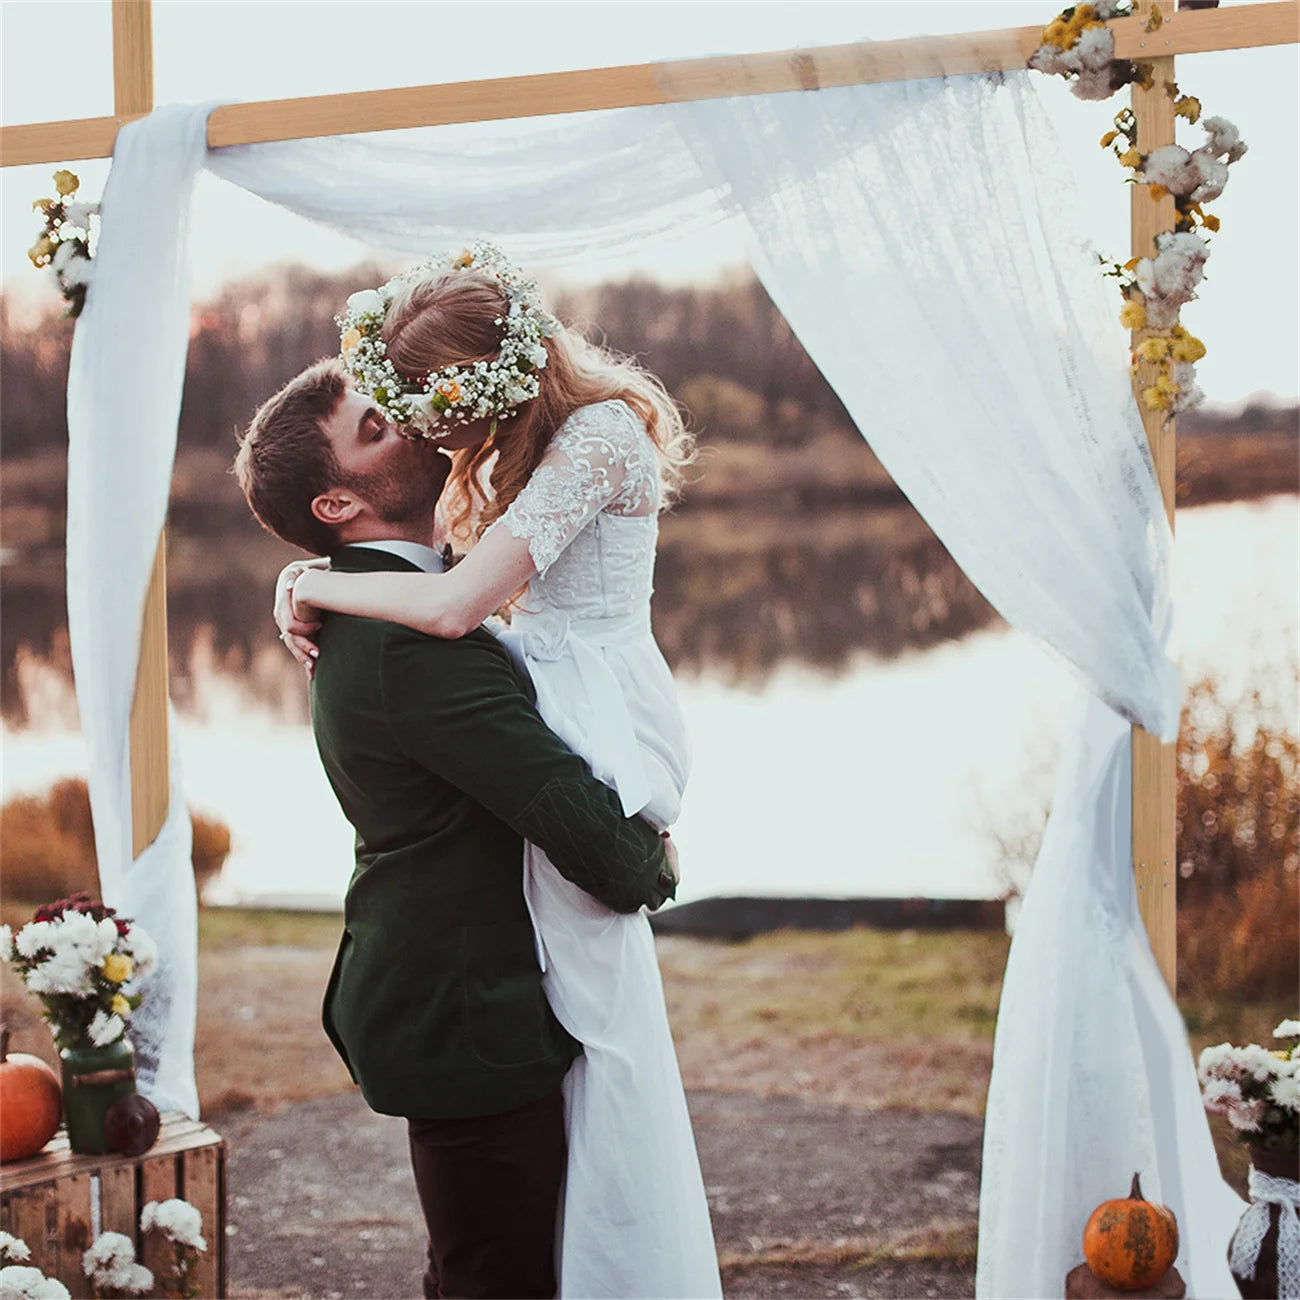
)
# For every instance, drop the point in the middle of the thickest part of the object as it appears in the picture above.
(809, 1199)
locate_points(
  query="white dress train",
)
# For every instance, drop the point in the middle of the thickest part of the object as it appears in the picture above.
(635, 1216)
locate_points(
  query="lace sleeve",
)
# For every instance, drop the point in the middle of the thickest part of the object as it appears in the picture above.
(600, 459)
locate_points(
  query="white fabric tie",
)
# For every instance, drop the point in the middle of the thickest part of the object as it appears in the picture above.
(562, 656)
(1266, 1190)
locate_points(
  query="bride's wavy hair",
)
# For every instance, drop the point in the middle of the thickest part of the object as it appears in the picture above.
(450, 319)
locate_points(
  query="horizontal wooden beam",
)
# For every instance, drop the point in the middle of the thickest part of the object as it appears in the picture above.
(1190, 31)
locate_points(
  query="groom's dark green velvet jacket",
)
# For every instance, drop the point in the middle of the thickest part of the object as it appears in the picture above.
(444, 768)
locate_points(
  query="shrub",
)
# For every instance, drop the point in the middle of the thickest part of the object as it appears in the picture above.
(47, 845)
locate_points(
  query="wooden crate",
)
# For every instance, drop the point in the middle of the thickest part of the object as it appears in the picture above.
(58, 1202)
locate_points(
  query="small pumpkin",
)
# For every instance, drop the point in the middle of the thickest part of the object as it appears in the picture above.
(31, 1103)
(1131, 1243)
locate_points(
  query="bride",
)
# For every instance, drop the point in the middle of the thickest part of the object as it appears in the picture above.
(563, 457)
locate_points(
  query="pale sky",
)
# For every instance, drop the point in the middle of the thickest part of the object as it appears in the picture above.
(57, 64)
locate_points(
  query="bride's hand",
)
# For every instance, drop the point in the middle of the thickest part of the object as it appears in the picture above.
(296, 619)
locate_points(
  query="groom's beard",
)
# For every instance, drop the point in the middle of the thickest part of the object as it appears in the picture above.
(405, 496)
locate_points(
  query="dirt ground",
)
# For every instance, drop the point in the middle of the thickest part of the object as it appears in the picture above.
(807, 1198)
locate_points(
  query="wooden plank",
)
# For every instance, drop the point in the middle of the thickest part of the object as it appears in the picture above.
(204, 1191)
(132, 57)
(1154, 775)
(72, 1198)
(27, 1215)
(157, 1181)
(1190, 31)
(118, 1211)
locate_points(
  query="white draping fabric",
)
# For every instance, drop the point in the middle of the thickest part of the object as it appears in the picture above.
(124, 398)
(919, 239)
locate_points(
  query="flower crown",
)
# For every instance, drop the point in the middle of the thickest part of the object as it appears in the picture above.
(458, 393)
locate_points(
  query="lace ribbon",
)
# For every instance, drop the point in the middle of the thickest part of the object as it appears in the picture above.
(1266, 1190)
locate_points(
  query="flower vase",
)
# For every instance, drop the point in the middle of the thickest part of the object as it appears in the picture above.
(1264, 1253)
(93, 1079)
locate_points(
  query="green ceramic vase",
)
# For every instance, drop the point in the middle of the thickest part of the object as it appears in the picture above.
(93, 1079)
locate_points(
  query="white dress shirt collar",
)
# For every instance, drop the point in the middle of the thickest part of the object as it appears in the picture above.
(423, 557)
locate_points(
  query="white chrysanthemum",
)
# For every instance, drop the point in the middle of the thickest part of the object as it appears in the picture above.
(1287, 1029)
(108, 1250)
(1096, 49)
(1190, 393)
(6, 954)
(1093, 85)
(78, 215)
(1212, 176)
(1221, 1094)
(1171, 166)
(63, 971)
(1221, 135)
(1258, 1062)
(34, 936)
(21, 1283)
(143, 950)
(105, 1029)
(1219, 1062)
(1285, 1091)
(1245, 1117)
(1107, 8)
(12, 1249)
(177, 1220)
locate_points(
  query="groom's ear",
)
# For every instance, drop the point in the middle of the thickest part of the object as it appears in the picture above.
(335, 507)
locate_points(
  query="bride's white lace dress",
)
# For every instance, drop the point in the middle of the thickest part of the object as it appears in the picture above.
(635, 1218)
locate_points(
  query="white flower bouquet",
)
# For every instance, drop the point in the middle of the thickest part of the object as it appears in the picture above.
(86, 964)
(1257, 1089)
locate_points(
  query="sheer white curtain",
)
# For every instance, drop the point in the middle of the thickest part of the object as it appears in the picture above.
(919, 239)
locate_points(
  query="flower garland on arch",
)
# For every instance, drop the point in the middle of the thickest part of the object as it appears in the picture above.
(1079, 46)
(64, 245)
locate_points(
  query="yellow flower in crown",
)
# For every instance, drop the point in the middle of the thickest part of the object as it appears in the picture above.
(66, 183)
(350, 341)
(1133, 315)
(450, 390)
(117, 967)
(1153, 349)
(465, 259)
(1187, 348)
(120, 1006)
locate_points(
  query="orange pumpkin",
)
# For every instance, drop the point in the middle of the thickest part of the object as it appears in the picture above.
(1131, 1244)
(31, 1103)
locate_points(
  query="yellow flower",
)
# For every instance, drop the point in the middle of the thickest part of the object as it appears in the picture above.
(1108, 139)
(1133, 315)
(350, 341)
(1131, 158)
(1057, 33)
(1189, 107)
(1146, 75)
(450, 390)
(1210, 221)
(1157, 191)
(117, 967)
(66, 183)
(1156, 399)
(43, 206)
(1187, 348)
(1083, 14)
(1153, 349)
(120, 1006)
(40, 251)
(465, 259)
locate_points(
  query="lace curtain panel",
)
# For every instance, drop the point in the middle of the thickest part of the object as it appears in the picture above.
(918, 238)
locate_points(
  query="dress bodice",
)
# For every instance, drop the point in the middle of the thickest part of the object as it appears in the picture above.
(590, 515)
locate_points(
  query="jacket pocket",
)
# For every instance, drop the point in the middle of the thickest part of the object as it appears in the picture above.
(508, 1021)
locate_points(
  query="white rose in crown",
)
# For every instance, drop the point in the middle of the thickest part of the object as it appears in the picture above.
(366, 302)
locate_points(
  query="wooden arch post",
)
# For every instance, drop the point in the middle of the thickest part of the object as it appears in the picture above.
(150, 746)
(1155, 781)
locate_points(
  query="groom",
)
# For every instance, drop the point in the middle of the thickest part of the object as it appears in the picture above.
(444, 768)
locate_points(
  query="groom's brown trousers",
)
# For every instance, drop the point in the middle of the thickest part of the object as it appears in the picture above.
(490, 1190)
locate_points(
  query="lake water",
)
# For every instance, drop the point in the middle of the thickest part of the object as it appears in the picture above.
(888, 780)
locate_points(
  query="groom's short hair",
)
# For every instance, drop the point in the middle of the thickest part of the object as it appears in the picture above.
(285, 459)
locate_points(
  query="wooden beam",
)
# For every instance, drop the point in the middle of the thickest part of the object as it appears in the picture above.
(1155, 777)
(150, 744)
(1185, 32)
